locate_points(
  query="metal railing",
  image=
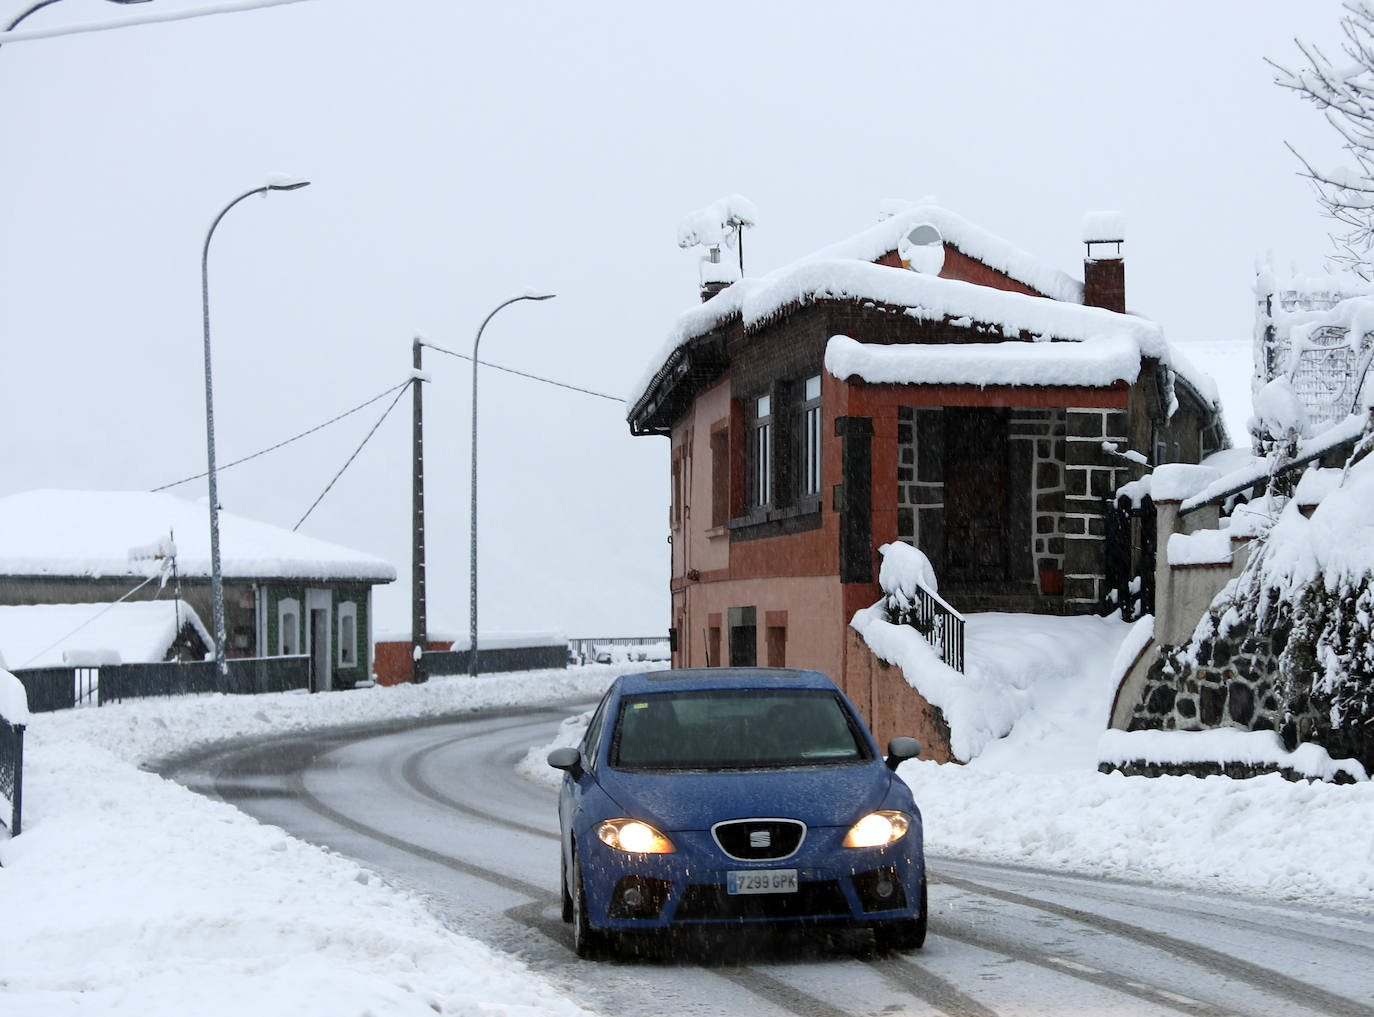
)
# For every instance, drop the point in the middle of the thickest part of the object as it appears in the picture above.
(61, 688)
(11, 776)
(939, 624)
(942, 626)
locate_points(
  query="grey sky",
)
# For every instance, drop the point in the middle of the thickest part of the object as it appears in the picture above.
(460, 153)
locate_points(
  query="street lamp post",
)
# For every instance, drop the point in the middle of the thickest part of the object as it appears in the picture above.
(472, 588)
(48, 3)
(216, 577)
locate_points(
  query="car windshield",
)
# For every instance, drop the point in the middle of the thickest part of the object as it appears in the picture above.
(734, 729)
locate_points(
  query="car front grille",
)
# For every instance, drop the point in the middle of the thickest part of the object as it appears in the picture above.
(753, 840)
(822, 899)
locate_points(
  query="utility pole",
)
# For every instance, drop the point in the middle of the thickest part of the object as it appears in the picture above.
(419, 639)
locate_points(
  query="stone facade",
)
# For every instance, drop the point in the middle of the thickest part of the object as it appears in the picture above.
(1090, 478)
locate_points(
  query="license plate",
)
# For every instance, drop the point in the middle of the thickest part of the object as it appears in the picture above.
(761, 881)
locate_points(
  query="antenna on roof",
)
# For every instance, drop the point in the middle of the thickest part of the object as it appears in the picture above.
(719, 224)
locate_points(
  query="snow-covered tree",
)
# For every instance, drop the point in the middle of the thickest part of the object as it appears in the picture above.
(1344, 91)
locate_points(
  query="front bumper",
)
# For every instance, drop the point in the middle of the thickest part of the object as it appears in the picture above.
(628, 892)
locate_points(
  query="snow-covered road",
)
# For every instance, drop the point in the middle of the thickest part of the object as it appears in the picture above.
(441, 809)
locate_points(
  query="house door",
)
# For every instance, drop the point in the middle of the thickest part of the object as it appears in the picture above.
(976, 529)
(318, 606)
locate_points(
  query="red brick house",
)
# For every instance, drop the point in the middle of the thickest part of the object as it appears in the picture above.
(922, 381)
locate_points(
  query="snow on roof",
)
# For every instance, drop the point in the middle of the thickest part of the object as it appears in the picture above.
(91, 534)
(865, 247)
(972, 240)
(54, 635)
(1097, 364)
(845, 271)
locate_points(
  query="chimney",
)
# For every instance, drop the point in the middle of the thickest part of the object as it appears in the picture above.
(1104, 271)
(715, 276)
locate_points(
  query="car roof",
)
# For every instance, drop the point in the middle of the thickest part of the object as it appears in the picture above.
(682, 679)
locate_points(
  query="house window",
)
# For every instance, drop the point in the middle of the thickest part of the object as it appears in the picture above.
(1161, 446)
(288, 627)
(348, 634)
(809, 412)
(762, 446)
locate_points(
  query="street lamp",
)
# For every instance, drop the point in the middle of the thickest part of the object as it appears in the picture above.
(216, 578)
(48, 3)
(472, 589)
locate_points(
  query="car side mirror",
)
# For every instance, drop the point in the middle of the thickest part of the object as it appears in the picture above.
(899, 750)
(569, 760)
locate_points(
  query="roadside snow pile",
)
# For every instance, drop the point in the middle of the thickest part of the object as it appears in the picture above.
(534, 766)
(1011, 662)
(128, 893)
(1228, 745)
(147, 730)
(1265, 836)
(14, 700)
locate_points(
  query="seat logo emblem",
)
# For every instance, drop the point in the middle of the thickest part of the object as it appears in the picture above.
(760, 839)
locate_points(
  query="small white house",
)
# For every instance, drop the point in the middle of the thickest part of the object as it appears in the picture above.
(284, 593)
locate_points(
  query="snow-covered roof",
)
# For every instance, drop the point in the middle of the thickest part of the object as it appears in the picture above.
(54, 635)
(112, 533)
(845, 271)
(972, 240)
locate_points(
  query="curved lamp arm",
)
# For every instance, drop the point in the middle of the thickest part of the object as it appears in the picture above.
(48, 3)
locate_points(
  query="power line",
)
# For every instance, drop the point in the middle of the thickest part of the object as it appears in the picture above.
(99, 614)
(525, 374)
(352, 457)
(233, 7)
(288, 441)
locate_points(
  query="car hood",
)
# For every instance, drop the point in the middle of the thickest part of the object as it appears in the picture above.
(818, 796)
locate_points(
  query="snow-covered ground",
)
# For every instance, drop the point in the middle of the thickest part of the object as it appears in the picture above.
(127, 893)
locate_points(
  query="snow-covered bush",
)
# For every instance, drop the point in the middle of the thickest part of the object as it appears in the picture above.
(1289, 643)
(903, 571)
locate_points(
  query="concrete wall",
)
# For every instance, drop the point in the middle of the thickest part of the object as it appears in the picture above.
(888, 703)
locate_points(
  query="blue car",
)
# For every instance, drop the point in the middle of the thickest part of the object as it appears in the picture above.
(725, 797)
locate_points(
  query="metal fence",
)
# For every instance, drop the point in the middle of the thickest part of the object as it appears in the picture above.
(493, 661)
(634, 647)
(61, 688)
(11, 776)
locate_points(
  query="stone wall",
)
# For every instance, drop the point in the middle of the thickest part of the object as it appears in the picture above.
(1236, 771)
(1224, 681)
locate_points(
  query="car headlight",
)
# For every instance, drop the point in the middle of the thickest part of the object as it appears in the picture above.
(878, 829)
(634, 837)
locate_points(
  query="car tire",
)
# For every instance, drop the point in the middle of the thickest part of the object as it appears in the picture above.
(905, 934)
(588, 942)
(563, 886)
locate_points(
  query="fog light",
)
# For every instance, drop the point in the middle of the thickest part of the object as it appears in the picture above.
(883, 888)
(632, 897)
